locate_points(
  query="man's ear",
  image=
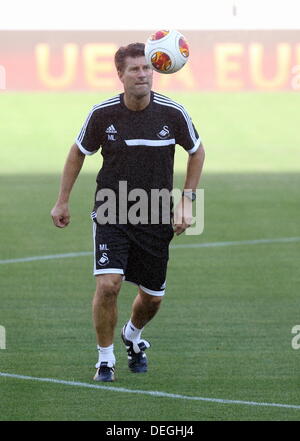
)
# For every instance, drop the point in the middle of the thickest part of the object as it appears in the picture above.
(120, 75)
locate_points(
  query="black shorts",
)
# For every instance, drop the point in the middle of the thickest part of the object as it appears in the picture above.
(139, 252)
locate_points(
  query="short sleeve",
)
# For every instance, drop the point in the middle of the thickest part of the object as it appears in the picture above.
(186, 133)
(89, 137)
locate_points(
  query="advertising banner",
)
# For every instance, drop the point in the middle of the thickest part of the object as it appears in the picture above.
(222, 61)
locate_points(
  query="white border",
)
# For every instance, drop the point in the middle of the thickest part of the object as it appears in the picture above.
(169, 14)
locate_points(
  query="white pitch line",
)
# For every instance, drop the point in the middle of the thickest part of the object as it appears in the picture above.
(47, 257)
(238, 242)
(173, 247)
(152, 393)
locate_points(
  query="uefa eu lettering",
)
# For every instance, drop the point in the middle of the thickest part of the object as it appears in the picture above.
(295, 80)
(233, 66)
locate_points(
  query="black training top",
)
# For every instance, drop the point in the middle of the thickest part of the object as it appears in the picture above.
(137, 146)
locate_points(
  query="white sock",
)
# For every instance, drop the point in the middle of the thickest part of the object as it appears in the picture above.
(132, 333)
(106, 354)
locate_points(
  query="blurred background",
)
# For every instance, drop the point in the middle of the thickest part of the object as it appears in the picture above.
(237, 47)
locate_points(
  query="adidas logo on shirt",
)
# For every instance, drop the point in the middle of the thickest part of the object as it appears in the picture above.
(111, 129)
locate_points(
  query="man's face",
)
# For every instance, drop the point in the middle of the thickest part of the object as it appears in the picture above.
(137, 77)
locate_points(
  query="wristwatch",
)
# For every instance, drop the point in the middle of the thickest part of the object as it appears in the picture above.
(189, 194)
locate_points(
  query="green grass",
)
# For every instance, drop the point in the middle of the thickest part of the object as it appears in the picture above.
(241, 132)
(224, 330)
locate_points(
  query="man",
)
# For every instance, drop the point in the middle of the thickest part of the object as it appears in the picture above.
(137, 132)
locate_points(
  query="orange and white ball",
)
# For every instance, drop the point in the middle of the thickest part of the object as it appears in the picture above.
(167, 51)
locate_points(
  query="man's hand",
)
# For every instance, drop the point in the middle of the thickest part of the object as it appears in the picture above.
(183, 215)
(60, 215)
(60, 212)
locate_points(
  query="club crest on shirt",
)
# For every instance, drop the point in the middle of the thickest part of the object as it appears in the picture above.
(164, 133)
(104, 260)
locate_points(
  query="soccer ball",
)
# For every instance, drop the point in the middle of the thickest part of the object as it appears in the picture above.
(166, 51)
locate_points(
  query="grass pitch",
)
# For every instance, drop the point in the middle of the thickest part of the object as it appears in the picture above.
(224, 329)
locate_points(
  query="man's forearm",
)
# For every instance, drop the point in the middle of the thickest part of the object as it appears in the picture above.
(183, 210)
(70, 173)
(194, 169)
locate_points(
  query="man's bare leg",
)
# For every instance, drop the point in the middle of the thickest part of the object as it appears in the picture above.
(144, 308)
(105, 311)
(105, 315)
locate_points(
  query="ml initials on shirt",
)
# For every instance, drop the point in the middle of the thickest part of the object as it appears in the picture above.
(111, 131)
(103, 247)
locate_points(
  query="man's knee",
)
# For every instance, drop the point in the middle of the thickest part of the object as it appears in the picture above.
(108, 285)
(152, 301)
(155, 300)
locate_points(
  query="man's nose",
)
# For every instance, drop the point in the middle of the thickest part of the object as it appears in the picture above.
(141, 72)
